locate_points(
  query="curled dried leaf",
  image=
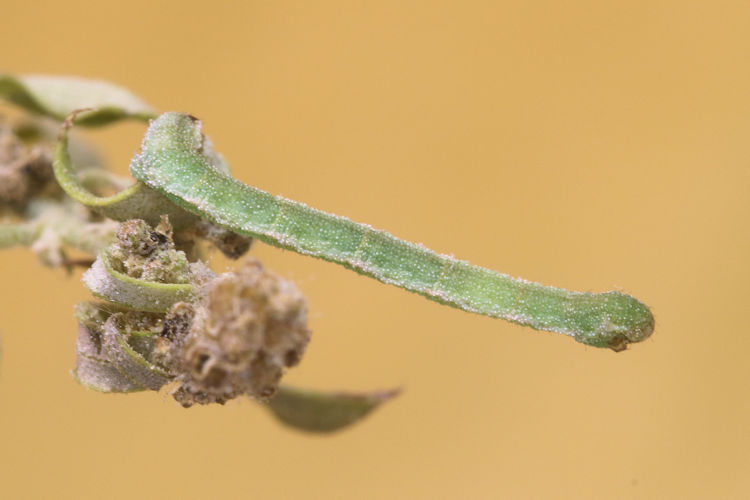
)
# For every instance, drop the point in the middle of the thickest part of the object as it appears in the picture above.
(117, 349)
(132, 293)
(93, 369)
(142, 270)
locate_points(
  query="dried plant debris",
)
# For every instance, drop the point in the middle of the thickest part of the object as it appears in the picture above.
(231, 244)
(221, 337)
(62, 225)
(36, 213)
(50, 227)
(164, 318)
(149, 253)
(25, 171)
(249, 327)
(211, 338)
(121, 352)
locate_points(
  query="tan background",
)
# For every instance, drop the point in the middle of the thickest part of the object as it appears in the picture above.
(591, 145)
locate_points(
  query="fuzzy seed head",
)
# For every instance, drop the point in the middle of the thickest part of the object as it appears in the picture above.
(249, 327)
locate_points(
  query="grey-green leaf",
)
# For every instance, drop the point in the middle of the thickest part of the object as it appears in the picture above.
(93, 369)
(18, 234)
(127, 360)
(315, 411)
(133, 293)
(58, 96)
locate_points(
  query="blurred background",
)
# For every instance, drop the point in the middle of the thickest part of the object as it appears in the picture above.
(589, 145)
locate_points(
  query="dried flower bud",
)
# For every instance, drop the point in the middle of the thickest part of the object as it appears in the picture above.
(250, 326)
(149, 254)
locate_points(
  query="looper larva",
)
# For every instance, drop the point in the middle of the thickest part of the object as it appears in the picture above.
(172, 162)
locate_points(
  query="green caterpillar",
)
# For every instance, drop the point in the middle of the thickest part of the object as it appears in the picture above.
(172, 162)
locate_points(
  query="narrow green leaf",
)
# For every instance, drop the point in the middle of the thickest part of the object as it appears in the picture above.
(58, 96)
(315, 411)
(137, 201)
